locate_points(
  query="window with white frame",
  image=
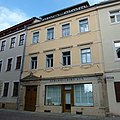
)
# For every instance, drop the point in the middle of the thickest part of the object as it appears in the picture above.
(3, 45)
(66, 58)
(53, 95)
(18, 62)
(34, 62)
(50, 33)
(1, 65)
(49, 60)
(117, 48)
(9, 64)
(115, 16)
(5, 90)
(22, 39)
(85, 56)
(12, 44)
(35, 37)
(66, 30)
(83, 25)
(83, 95)
(15, 89)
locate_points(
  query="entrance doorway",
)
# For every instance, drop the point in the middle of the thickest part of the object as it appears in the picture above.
(67, 98)
(30, 98)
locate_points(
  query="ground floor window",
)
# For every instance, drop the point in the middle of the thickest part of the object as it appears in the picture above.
(83, 95)
(117, 91)
(53, 95)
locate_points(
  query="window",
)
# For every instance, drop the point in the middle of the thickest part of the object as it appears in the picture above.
(115, 16)
(22, 38)
(85, 55)
(3, 45)
(9, 64)
(117, 48)
(33, 62)
(53, 95)
(66, 60)
(15, 89)
(12, 45)
(5, 92)
(83, 25)
(35, 37)
(50, 34)
(83, 95)
(18, 62)
(0, 65)
(49, 60)
(117, 91)
(65, 30)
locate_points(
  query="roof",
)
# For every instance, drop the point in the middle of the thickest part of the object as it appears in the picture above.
(17, 27)
(65, 11)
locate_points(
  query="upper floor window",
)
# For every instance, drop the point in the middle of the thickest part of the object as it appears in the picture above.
(66, 30)
(3, 45)
(85, 55)
(9, 64)
(50, 34)
(49, 60)
(117, 48)
(34, 62)
(18, 62)
(66, 59)
(5, 92)
(115, 16)
(35, 37)
(0, 65)
(15, 89)
(22, 39)
(12, 44)
(83, 25)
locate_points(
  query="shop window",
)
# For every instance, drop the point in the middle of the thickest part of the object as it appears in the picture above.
(83, 95)
(53, 95)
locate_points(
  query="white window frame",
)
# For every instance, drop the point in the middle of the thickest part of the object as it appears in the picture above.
(33, 36)
(16, 62)
(81, 19)
(13, 88)
(50, 60)
(12, 44)
(2, 44)
(70, 58)
(114, 49)
(52, 27)
(1, 65)
(31, 63)
(3, 88)
(115, 16)
(11, 64)
(22, 40)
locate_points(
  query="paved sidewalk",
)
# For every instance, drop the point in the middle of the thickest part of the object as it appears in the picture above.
(24, 115)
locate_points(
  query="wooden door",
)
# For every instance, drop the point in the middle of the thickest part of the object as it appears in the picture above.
(30, 98)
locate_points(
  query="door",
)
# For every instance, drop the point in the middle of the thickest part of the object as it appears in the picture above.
(30, 98)
(67, 98)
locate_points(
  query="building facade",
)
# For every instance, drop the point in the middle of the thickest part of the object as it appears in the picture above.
(109, 16)
(12, 41)
(63, 67)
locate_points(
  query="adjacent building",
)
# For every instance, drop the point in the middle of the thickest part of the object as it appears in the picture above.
(12, 41)
(109, 16)
(63, 66)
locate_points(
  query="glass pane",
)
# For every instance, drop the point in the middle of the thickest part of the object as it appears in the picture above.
(112, 19)
(67, 97)
(118, 18)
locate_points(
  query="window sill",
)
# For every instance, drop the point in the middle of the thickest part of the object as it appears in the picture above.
(81, 33)
(49, 69)
(49, 40)
(62, 37)
(87, 65)
(67, 67)
(34, 43)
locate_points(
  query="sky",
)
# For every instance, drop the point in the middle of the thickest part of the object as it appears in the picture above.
(13, 12)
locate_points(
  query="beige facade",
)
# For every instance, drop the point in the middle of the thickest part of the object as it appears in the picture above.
(110, 27)
(64, 68)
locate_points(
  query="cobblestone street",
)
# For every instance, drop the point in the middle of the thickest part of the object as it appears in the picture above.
(23, 115)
